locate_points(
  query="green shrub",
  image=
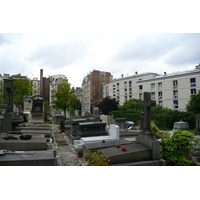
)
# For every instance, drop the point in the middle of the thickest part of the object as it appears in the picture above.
(176, 147)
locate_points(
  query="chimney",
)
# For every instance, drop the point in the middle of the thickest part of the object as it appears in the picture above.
(135, 73)
(122, 75)
(165, 73)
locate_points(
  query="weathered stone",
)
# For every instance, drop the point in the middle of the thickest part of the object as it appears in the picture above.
(134, 152)
(89, 129)
(23, 145)
(29, 158)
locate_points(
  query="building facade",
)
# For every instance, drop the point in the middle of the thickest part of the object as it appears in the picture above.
(92, 89)
(36, 86)
(125, 88)
(169, 90)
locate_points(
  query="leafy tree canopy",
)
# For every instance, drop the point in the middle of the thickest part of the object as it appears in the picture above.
(194, 103)
(164, 118)
(131, 110)
(108, 105)
(23, 88)
(64, 97)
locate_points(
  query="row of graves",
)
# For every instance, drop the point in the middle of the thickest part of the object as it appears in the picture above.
(137, 147)
(27, 144)
(119, 145)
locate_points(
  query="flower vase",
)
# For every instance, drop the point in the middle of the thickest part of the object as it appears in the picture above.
(80, 154)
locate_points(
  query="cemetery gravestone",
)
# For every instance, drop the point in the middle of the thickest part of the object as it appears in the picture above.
(9, 120)
(37, 112)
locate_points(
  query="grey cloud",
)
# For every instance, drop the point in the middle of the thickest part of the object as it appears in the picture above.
(60, 55)
(10, 38)
(187, 53)
(151, 46)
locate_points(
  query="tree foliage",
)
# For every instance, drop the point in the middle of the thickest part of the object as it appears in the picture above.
(164, 118)
(175, 148)
(64, 97)
(131, 110)
(23, 88)
(75, 104)
(108, 105)
(46, 110)
(194, 103)
(2, 95)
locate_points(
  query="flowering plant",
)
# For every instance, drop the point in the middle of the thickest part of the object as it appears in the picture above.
(96, 159)
(124, 148)
(118, 145)
(79, 150)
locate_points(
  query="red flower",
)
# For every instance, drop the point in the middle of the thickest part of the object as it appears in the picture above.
(118, 145)
(124, 148)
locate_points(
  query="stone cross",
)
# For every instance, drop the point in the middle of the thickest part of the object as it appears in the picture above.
(147, 104)
(10, 90)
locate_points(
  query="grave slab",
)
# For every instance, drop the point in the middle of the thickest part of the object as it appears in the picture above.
(23, 145)
(29, 158)
(100, 145)
(135, 152)
(33, 128)
(47, 133)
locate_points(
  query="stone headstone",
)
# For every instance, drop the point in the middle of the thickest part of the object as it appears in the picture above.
(9, 120)
(147, 104)
(37, 111)
(95, 114)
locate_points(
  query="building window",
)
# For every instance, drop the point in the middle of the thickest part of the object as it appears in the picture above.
(175, 94)
(125, 98)
(130, 90)
(117, 85)
(159, 86)
(175, 104)
(140, 96)
(193, 91)
(125, 91)
(140, 88)
(153, 87)
(153, 96)
(159, 95)
(193, 82)
(160, 103)
(130, 96)
(130, 83)
(175, 84)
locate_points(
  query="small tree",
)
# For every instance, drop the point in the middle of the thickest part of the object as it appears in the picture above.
(175, 148)
(108, 105)
(194, 103)
(23, 88)
(75, 104)
(64, 97)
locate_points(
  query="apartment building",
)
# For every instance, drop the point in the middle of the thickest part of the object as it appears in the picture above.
(169, 90)
(92, 88)
(125, 88)
(36, 86)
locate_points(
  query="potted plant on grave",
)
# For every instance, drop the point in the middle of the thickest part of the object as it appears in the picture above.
(79, 152)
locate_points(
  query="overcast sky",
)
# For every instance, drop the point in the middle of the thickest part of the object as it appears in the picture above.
(75, 55)
(119, 48)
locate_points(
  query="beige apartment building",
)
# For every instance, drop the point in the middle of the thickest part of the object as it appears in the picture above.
(169, 90)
